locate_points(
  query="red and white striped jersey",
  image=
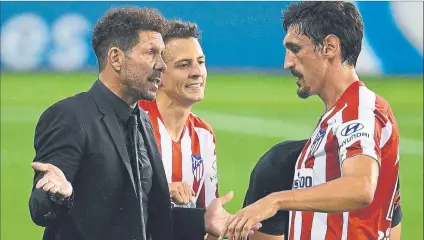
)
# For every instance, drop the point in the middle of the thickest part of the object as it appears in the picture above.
(192, 159)
(361, 122)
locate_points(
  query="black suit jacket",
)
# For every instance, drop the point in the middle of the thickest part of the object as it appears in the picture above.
(80, 135)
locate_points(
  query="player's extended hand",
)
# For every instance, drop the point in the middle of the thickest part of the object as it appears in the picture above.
(180, 192)
(239, 225)
(53, 181)
(216, 216)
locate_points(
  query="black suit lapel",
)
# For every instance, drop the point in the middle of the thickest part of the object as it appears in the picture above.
(113, 128)
(112, 125)
(153, 151)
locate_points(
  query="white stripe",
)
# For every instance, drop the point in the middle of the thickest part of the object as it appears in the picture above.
(345, 225)
(319, 226)
(366, 109)
(186, 152)
(337, 120)
(207, 149)
(320, 163)
(386, 133)
(297, 225)
(391, 207)
(166, 148)
(290, 223)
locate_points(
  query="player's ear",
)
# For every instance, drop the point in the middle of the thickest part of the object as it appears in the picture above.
(331, 46)
(115, 57)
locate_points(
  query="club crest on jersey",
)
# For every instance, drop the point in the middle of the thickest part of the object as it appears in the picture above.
(317, 140)
(197, 167)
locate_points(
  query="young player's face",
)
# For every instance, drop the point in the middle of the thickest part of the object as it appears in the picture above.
(305, 61)
(185, 77)
(142, 67)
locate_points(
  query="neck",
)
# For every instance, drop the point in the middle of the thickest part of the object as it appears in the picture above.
(174, 115)
(119, 89)
(336, 84)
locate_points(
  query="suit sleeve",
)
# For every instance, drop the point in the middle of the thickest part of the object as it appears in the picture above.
(188, 223)
(59, 140)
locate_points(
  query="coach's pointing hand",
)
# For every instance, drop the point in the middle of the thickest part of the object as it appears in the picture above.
(53, 181)
(181, 192)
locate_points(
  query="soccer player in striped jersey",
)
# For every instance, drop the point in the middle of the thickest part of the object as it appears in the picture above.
(274, 172)
(186, 142)
(346, 176)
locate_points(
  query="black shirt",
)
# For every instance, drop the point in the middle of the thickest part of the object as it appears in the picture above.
(126, 117)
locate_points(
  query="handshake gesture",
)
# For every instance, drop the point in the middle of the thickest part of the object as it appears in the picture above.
(216, 217)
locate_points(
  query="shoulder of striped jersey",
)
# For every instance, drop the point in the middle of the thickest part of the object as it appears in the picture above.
(380, 107)
(200, 123)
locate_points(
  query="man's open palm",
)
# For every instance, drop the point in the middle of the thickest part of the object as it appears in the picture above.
(53, 181)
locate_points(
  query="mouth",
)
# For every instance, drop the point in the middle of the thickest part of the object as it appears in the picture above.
(194, 85)
(297, 75)
(154, 80)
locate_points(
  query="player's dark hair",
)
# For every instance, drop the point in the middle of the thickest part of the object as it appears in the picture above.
(320, 19)
(180, 29)
(120, 27)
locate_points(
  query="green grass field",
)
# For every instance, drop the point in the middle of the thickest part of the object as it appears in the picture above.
(249, 114)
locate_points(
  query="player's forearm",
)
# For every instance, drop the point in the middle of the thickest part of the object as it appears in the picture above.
(340, 195)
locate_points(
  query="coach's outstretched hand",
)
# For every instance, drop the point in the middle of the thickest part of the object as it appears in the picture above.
(53, 181)
(216, 216)
(239, 225)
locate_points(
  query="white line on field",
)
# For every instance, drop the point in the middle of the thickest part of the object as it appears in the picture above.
(283, 129)
(225, 122)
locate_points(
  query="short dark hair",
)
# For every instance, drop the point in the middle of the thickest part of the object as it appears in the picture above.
(120, 27)
(180, 29)
(320, 19)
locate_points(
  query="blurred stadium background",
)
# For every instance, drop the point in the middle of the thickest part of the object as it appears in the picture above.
(251, 104)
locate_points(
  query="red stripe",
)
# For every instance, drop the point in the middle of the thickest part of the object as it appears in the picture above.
(291, 234)
(354, 149)
(307, 218)
(155, 124)
(154, 116)
(352, 109)
(177, 170)
(302, 155)
(333, 171)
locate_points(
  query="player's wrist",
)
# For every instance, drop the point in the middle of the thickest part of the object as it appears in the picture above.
(278, 201)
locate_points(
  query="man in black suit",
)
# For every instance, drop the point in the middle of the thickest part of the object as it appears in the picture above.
(99, 174)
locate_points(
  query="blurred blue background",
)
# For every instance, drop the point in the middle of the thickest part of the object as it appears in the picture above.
(236, 35)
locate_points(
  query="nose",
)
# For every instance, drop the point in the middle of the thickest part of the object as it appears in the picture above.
(196, 71)
(160, 65)
(288, 60)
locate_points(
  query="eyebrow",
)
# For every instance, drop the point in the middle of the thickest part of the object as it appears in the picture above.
(291, 45)
(188, 59)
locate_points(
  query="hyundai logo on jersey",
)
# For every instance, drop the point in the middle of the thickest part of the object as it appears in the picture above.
(352, 128)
